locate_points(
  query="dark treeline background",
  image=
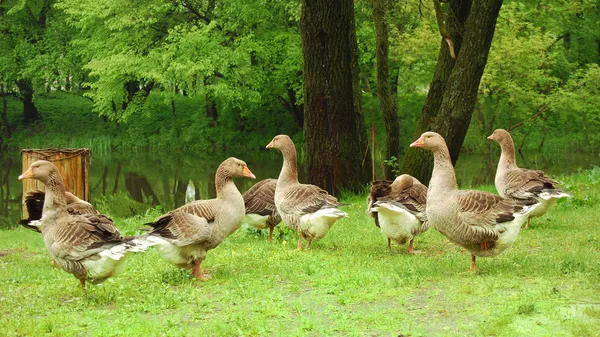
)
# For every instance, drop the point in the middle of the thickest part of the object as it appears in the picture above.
(212, 76)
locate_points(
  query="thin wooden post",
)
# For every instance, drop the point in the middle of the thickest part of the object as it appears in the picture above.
(73, 165)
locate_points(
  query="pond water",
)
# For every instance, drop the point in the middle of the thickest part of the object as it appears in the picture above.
(129, 183)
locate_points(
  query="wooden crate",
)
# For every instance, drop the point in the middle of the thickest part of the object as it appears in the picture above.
(73, 164)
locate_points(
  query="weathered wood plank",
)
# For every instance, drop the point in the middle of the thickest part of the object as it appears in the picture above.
(73, 164)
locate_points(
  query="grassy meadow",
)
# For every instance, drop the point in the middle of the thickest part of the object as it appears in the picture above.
(346, 284)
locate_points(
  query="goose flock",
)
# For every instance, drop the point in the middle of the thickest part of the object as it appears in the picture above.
(88, 245)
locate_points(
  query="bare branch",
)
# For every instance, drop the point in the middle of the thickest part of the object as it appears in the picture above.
(543, 109)
(193, 10)
(439, 15)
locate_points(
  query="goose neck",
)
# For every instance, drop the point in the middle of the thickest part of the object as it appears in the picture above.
(443, 178)
(224, 184)
(507, 157)
(289, 170)
(56, 198)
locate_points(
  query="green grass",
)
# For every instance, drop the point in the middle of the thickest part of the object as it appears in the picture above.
(346, 284)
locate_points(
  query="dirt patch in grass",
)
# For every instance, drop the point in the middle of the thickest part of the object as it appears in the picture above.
(6, 252)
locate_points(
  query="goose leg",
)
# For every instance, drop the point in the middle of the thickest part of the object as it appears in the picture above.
(300, 237)
(81, 278)
(197, 271)
(411, 248)
(270, 234)
(308, 244)
(389, 245)
(82, 282)
(473, 265)
(528, 219)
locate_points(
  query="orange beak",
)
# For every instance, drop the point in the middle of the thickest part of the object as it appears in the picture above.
(418, 143)
(27, 174)
(247, 173)
(491, 137)
(270, 145)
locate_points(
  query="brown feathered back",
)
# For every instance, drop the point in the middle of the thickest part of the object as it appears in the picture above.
(34, 202)
(379, 188)
(260, 199)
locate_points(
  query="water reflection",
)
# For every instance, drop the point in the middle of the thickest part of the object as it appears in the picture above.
(10, 194)
(125, 184)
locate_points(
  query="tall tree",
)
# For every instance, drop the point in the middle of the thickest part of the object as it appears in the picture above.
(470, 26)
(334, 127)
(387, 101)
(238, 54)
(30, 111)
(35, 53)
(22, 24)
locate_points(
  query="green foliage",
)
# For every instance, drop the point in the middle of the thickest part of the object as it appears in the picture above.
(394, 163)
(244, 55)
(68, 120)
(135, 60)
(584, 186)
(542, 76)
(119, 205)
(34, 46)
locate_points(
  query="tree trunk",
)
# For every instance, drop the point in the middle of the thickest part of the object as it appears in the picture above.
(387, 102)
(211, 105)
(3, 94)
(334, 128)
(296, 110)
(117, 177)
(211, 110)
(30, 112)
(179, 195)
(453, 90)
(132, 88)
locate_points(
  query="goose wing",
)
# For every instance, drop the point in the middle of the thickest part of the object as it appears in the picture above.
(413, 198)
(525, 184)
(304, 199)
(189, 224)
(78, 206)
(34, 203)
(78, 237)
(484, 212)
(260, 198)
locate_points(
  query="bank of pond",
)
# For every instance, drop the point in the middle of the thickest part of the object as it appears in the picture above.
(87, 244)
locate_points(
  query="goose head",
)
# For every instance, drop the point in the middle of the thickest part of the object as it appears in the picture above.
(233, 167)
(500, 136)
(430, 141)
(40, 170)
(280, 142)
